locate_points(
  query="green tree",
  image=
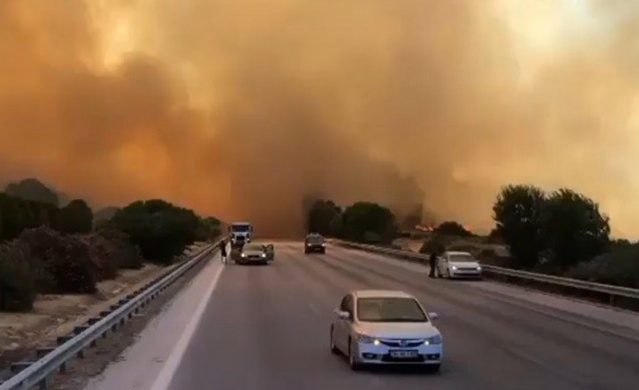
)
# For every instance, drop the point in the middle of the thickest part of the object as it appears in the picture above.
(322, 217)
(452, 228)
(160, 229)
(75, 218)
(32, 189)
(518, 212)
(17, 214)
(208, 229)
(574, 230)
(363, 218)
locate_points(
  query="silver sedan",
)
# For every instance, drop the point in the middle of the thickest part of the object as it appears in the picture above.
(373, 327)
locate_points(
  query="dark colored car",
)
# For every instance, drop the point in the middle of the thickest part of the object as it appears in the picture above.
(314, 243)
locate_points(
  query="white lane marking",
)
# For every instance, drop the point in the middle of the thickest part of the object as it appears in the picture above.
(170, 367)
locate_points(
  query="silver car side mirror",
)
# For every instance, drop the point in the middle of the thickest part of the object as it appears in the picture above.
(433, 315)
(343, 315)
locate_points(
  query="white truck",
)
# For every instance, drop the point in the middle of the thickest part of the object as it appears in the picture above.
(241, 233)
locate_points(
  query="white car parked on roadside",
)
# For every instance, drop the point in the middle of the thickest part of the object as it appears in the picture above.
(373, 327)
(458, 265)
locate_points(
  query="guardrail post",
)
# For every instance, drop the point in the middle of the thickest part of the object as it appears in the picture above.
(63, 339)
(79, 329)
(44, 383)
(40, 352)
(17, 367)
(93, 320)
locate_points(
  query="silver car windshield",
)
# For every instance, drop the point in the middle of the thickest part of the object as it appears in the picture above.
(253, 247)
(390, 309)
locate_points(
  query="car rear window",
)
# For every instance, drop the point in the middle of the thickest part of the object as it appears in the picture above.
(462, 258)
(315, 240)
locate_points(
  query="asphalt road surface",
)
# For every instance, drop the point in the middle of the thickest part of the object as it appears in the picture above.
(267, 327)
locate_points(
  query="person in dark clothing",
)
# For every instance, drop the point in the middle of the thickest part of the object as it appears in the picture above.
(432, 260)
(223, 251)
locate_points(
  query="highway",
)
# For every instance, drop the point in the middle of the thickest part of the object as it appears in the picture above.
(267, 327)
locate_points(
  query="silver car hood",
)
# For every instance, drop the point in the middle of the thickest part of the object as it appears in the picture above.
(397, 330)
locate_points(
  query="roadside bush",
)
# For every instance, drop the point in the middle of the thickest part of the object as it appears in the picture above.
(102, 255)
(124, 253)
(17, 278)
(66, 258)
(620, 267)
(160, 229)
(371, 238)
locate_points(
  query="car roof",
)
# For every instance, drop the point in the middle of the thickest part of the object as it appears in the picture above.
(381, 294)
(458, 253)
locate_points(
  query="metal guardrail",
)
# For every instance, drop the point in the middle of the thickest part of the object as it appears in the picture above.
(611, 290)
(40, 372)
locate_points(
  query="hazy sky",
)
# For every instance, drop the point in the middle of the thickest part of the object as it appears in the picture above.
(242, 108)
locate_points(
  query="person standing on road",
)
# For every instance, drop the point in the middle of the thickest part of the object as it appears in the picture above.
(223, 251)
(432, 260)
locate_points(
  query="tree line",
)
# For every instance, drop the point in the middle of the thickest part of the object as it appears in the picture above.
(45, 248)
(562, 232)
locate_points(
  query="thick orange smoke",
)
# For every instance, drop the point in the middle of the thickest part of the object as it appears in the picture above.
(242, 108)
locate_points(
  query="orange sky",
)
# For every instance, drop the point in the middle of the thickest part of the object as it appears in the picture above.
(242, 108)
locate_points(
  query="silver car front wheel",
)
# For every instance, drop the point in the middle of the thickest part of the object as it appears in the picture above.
(352, 359)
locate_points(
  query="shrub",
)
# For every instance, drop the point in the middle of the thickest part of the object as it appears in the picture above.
(160, 229)
(17, 278)
(66, 258)
(371, 238)
(620, 267)
(102, 255)
(125, 254)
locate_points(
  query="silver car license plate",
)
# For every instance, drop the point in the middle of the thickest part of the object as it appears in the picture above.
(404, 354)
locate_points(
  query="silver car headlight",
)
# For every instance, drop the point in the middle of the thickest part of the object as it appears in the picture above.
(365, 339)
(454, 267)
(263, 254)
(479, 268)
(434, 340)
(243, 254)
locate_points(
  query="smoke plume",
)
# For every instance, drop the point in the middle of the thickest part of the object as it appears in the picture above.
(243, 108)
